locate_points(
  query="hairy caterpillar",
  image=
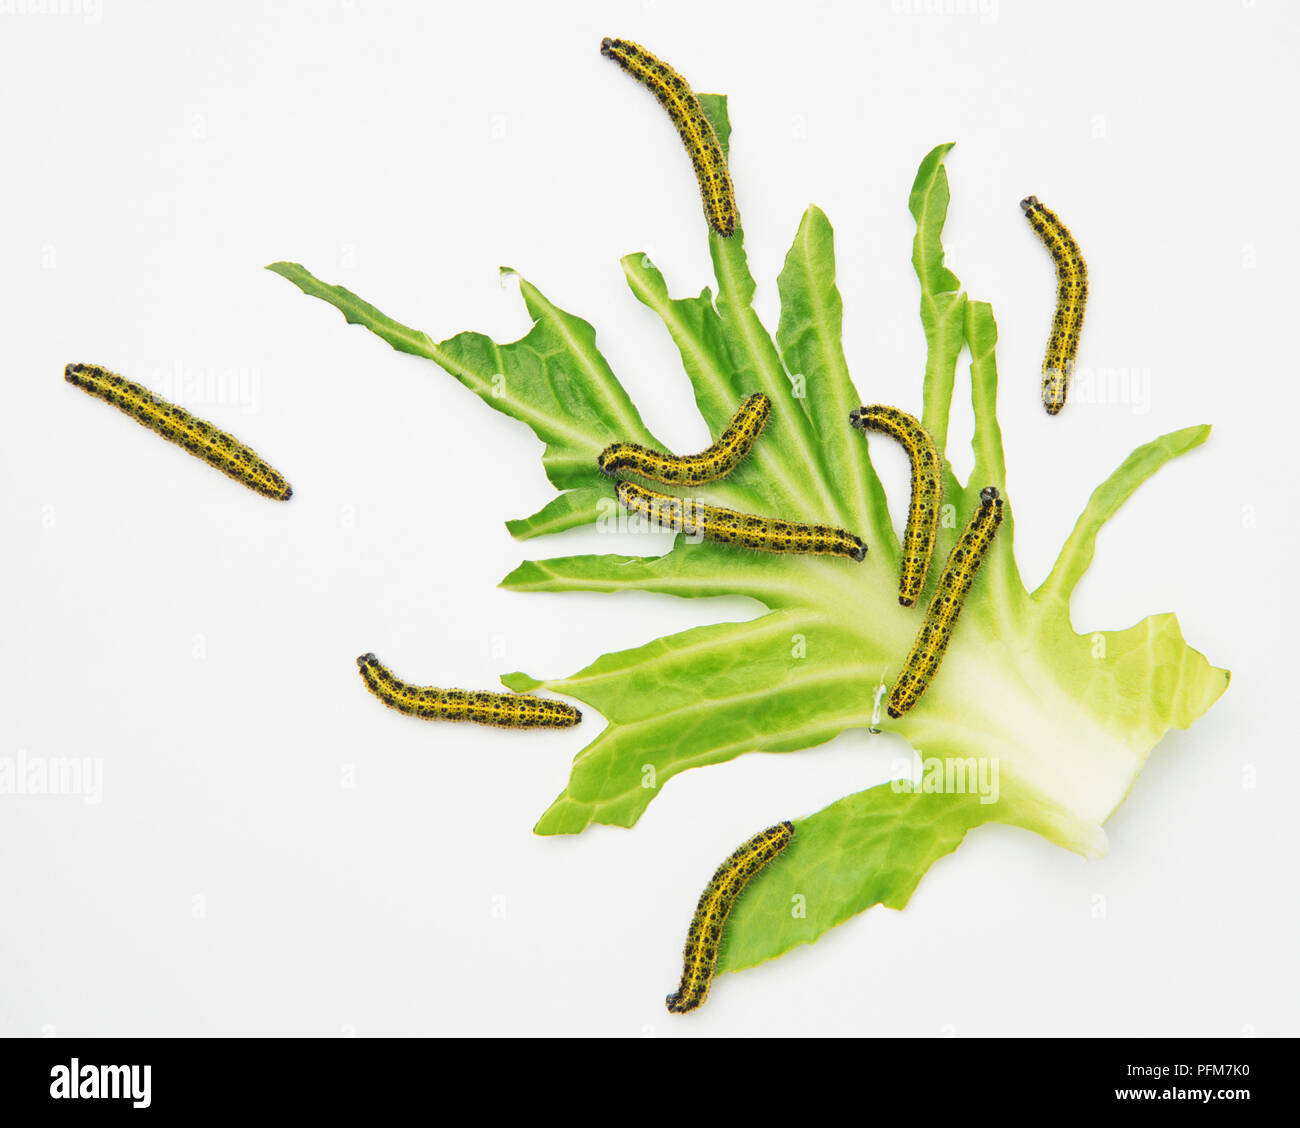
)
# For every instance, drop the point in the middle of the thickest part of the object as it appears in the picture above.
(1071, 295)
(505, 710)
(694, 469)
(946, 603)
(726, 526)
(716, 902)
(695, 130)
(177, 425)
(927, 492)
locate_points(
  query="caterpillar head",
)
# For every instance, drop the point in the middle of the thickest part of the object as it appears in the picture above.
(1029, 203)
(988, 495)
(605, 462)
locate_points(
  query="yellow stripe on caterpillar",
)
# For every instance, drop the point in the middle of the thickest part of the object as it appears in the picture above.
(927, 491)
(704, 939)
(1071, 297)
(504, 710)
(946, 603)
(177, 425)
(726, 526)
(692, 469)
(694, 128)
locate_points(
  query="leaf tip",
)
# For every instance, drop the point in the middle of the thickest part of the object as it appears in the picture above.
(518, 527)
(931, 168)
(813, 214)
(520, 682)
(638, 262)
(519, 579)
(564, 816)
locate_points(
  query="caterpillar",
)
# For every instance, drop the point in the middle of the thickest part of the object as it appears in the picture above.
(927, 491)
(694, 128)
(694, 469)
(726, 526)
(177, 425)
(1071, 295)
(505, 710)
(716, 902)
(946, 603)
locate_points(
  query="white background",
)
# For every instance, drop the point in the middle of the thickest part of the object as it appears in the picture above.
(199, 640)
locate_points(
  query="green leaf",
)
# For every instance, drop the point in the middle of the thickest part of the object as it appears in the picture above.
(868, 849)
(1060, 724)
(703, 697)
(1106, 499)
(689, 571)
(567, 511)
(1004, 588)
(553, 378)
(942, 301)
(809, 337)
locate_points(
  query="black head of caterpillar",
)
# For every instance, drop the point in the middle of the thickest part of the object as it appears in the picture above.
(704, 940)
(1071, 298)
(709, 465)
(927, 491)
(503, 710)
(693, 126)
(945, 605)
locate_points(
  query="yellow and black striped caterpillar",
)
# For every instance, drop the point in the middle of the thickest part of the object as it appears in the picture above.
(693, 469)
(927, 492)
(716, 902)
(946, 603)
(505, 710)
(1071, 296)
(177, 425)
(695, 130)
(726, 526)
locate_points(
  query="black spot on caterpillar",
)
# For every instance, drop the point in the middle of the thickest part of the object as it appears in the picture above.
(716, 902)
(177, 425)
(726, 526)
(694, 469)
(1071, 296)
(927, 492)
(505, 710)
(946, 603)
(694, 128)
